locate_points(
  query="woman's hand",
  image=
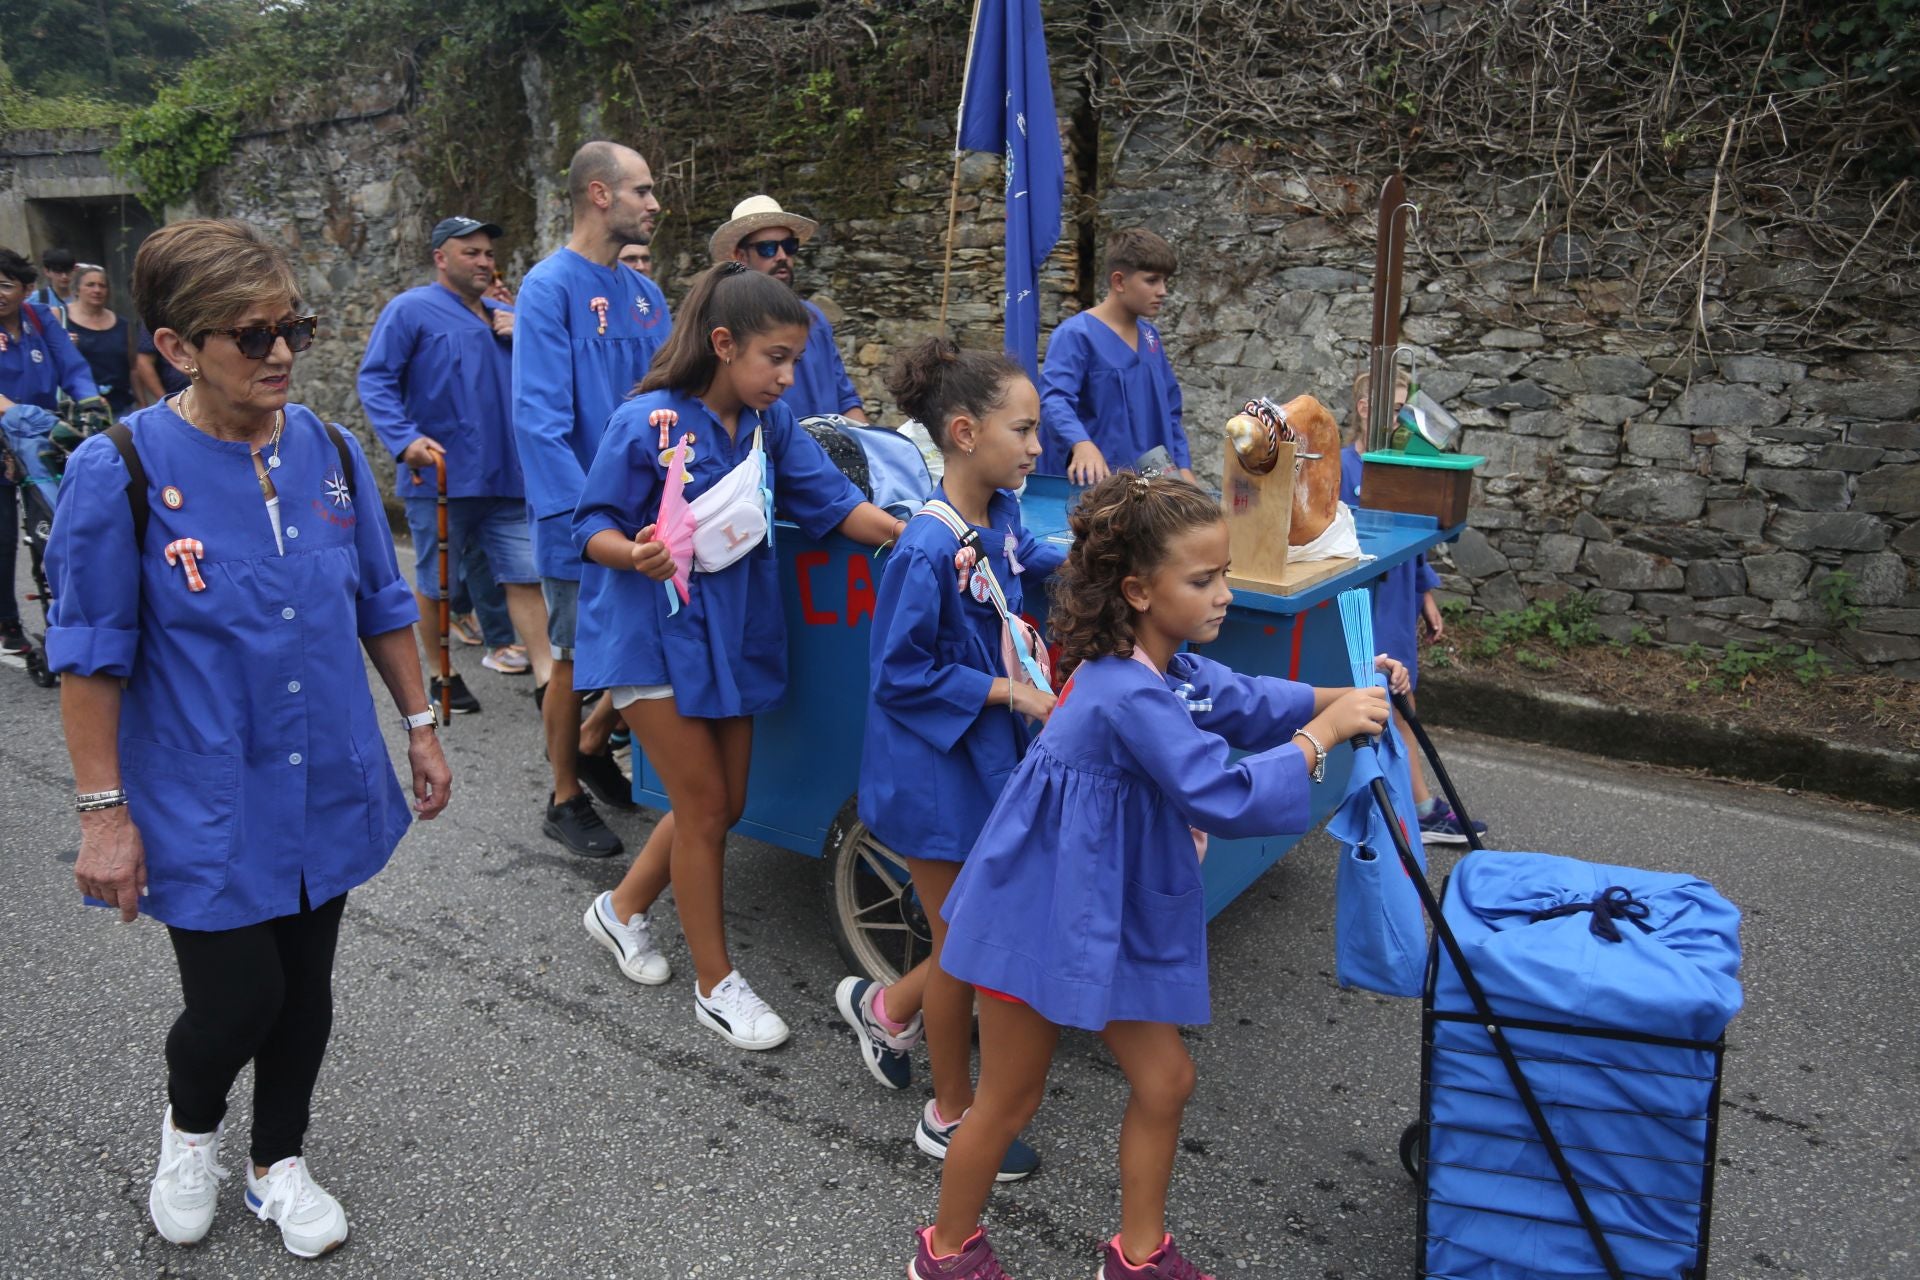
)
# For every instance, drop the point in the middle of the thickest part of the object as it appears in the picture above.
(1396, 672)
(1029, 701)
(432, 779)
(112, 866)
(1355, 712)
(651, 557)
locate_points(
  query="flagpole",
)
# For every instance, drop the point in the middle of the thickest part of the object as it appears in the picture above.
(953, 188)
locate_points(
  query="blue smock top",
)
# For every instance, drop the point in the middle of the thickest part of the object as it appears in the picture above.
(43, 363)
(936, 755)
(568, 378)
(434, 368)
(1094, 386)
(820, 381)
(1082, 896)
(249, 747)
(1397, 595)
(725, 652)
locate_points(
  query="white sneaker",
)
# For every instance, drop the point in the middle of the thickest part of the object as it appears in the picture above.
(741, 1018)
(631, 943)
(311, 1221)
(186, 1187)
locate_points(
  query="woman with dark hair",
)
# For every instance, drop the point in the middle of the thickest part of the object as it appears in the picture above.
(37, 363)
(105, 339)
(220, 561)
(689, 673)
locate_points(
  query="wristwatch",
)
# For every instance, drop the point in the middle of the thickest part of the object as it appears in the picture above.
(418, 720)
(1319, 771)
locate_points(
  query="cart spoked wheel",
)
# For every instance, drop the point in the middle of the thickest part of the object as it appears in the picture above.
(38, 671)
(877, 920)
(1410, 1149)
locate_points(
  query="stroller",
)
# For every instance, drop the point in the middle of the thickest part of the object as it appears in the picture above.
(1564, 1136)
(36, 444)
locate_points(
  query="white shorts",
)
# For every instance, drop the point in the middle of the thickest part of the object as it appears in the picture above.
(626, 695)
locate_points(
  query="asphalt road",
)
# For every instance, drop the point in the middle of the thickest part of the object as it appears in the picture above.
(499, 1102)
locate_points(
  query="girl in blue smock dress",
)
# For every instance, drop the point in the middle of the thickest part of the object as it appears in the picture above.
(947, 721)
(689, 682)
(1081, 903)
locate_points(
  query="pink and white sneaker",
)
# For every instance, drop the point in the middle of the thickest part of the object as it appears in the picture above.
(1165, 1264)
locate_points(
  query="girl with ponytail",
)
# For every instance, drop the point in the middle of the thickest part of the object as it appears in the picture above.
(952, 708)
(688, 678)
(1081, 903)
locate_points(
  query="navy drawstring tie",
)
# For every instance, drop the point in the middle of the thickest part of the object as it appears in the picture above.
(1614, 903)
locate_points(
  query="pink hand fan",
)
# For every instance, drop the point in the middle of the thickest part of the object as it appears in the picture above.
(675, 527)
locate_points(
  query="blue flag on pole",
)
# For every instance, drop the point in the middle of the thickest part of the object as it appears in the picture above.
(1007, 106)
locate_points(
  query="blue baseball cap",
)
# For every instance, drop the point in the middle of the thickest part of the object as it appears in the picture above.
(450, 228)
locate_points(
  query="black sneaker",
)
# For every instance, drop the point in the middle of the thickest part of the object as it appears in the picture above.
(602, 776)
(13, 640)
(576, 824)
(460, 699)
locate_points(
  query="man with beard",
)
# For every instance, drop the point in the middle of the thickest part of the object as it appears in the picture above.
(767, 238)
(587, 329)
(437, 382)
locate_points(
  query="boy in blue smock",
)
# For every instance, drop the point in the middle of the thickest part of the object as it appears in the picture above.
(37, 362)
(1107, 390)
(585, 332)
(952, 711)
(1403, 606)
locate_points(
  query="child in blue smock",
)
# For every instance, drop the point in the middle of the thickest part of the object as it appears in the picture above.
(1107, 390)
(1403, 607)
(689, 678)
(1081, 903)
(947, 720)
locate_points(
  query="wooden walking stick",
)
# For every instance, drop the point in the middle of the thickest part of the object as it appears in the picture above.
(446, 603)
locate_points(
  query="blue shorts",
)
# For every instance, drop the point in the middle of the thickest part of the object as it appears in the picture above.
(499, 525)
(563, 610)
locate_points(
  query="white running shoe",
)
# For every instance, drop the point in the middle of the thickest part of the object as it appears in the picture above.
(631, 943)
(740, 1017)
(186, 1187)
(311, 1221)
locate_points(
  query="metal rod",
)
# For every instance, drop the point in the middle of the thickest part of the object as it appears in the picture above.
(1405, 708)
(446, 605)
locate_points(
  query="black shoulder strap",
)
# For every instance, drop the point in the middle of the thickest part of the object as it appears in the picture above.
(122, 436)
(346, 455)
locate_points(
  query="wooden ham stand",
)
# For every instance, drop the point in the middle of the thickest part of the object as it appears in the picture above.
(1259, 510)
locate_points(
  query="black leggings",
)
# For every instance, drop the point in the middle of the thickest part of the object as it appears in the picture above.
(262, 993)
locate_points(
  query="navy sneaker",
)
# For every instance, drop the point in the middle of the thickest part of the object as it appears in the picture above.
(1443, 826)
(932, 1137)
(889, 1057)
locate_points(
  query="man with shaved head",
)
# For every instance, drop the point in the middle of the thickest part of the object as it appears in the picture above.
(587, 329)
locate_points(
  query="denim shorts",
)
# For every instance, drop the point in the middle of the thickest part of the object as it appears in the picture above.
(499, 525)
(563, 610)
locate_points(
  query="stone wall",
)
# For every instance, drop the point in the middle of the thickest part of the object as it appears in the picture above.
(1698, 494)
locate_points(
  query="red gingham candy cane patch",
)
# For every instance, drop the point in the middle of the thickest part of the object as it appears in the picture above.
(186, 553)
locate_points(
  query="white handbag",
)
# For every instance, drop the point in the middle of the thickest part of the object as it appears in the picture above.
(735, 515)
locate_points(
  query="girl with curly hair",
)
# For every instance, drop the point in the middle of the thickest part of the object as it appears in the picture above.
(1081, 904)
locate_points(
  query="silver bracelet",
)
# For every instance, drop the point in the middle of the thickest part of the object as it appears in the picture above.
(94, 801)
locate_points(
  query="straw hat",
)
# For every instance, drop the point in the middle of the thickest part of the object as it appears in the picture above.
(757, 213)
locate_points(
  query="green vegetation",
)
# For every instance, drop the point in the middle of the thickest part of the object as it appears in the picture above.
(1835, 593)
(1565, 624)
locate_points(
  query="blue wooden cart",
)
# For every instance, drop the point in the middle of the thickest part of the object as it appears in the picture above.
(806, 755)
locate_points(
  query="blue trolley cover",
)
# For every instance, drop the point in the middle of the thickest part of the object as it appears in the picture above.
(1646, 955)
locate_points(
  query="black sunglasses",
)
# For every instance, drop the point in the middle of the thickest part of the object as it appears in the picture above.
(773, 248)
(256, 340)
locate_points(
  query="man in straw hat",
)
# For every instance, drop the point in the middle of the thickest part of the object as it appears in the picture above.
(767, 238)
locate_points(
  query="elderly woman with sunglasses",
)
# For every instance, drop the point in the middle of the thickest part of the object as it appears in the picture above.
(218, 564)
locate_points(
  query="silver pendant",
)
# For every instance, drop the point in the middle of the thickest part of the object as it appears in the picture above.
(273, 463)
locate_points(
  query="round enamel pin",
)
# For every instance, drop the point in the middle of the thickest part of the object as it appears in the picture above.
(666, 455)
(977, 586)
(35, 354)
(173, 498)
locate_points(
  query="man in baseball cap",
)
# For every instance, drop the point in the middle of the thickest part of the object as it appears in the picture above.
(767, 239)
(459, 227)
